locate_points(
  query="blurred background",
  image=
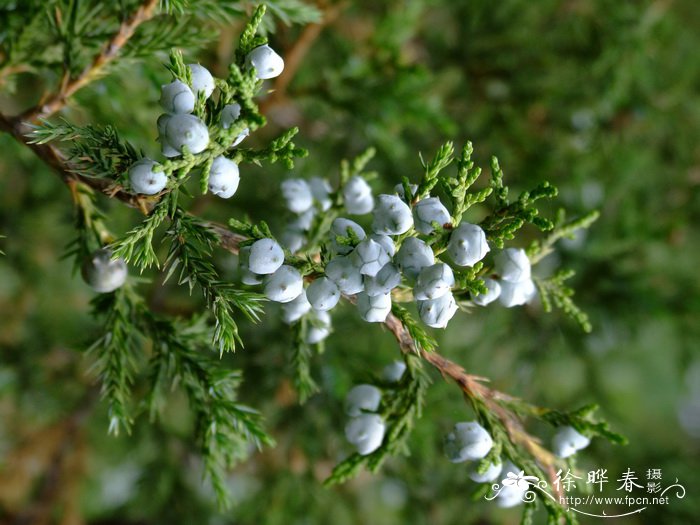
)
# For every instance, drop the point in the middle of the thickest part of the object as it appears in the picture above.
(599, 97)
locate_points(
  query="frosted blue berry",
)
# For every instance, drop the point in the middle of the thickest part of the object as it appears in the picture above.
(436, 313)
(491, 473)
(167, 149)
(433, 282)
(144, 180)
(202, 80)
(357, 196)
(186, 130)
(428, 211)
(224, 177)
(296, 309)
(373, 308)
(467, 441)
(177, 97)
(370, 257)
(467, 244)
(298, 195)
(516, 294)
(247, 277)
(513, 265)
(365, 432)
(292, 239)
(362, 398)
(266, 62)
(391, 216)
(567, 441)
(345, 274)
(265, 256)
(413, 256)
(493, 292)
(284, 285)
(321, 190)
(339, 228)
(386, 242)
(323, 294)
(103, 274)
(393, 372)
(384, 282)
(319, 327)
(398, 189)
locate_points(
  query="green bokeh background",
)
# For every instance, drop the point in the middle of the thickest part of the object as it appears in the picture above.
(601, 98)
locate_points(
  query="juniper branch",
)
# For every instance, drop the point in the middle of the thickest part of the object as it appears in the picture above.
(109, 52)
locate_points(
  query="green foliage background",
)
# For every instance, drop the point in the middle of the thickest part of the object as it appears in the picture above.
(602, 98)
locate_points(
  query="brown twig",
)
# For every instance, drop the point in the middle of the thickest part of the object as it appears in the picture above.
(69, 86)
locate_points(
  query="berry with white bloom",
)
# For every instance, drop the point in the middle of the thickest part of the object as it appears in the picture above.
(285, 285)
(433, 282)
(467, 441)
(370, 257)
(265, 256)
(373, 308)
(436, 313)
(177, 97)
(144, 180)
(513, 265)
(247, 277)
(319, 327)
(186, 130)
(467, 244)
(103, 274)
(398, 189)
(567, 441)
(357, 196)
(297, 193)
(321, 190)
(366, 432)
(292, 239)
(510, 495)
(393, 372)
(491, 473)
(493, 291)
(304, 220)
(323, 294)
(229, 114)
(343, 272)
(166, 148)
(428, 211)
(339, 228)
(413, 256)
(392, 216)
(361, 399)
(384, 282)
(386, 242)
(296, 308)
(224, 177)
(266, 62)
(202, 80)
(516, 294)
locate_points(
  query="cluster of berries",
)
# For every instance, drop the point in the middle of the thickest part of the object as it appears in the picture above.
(370, 265)
(469, 441)
(179, 130)
(365, 429)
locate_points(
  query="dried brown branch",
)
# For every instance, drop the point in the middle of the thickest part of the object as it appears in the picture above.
(69, 86)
